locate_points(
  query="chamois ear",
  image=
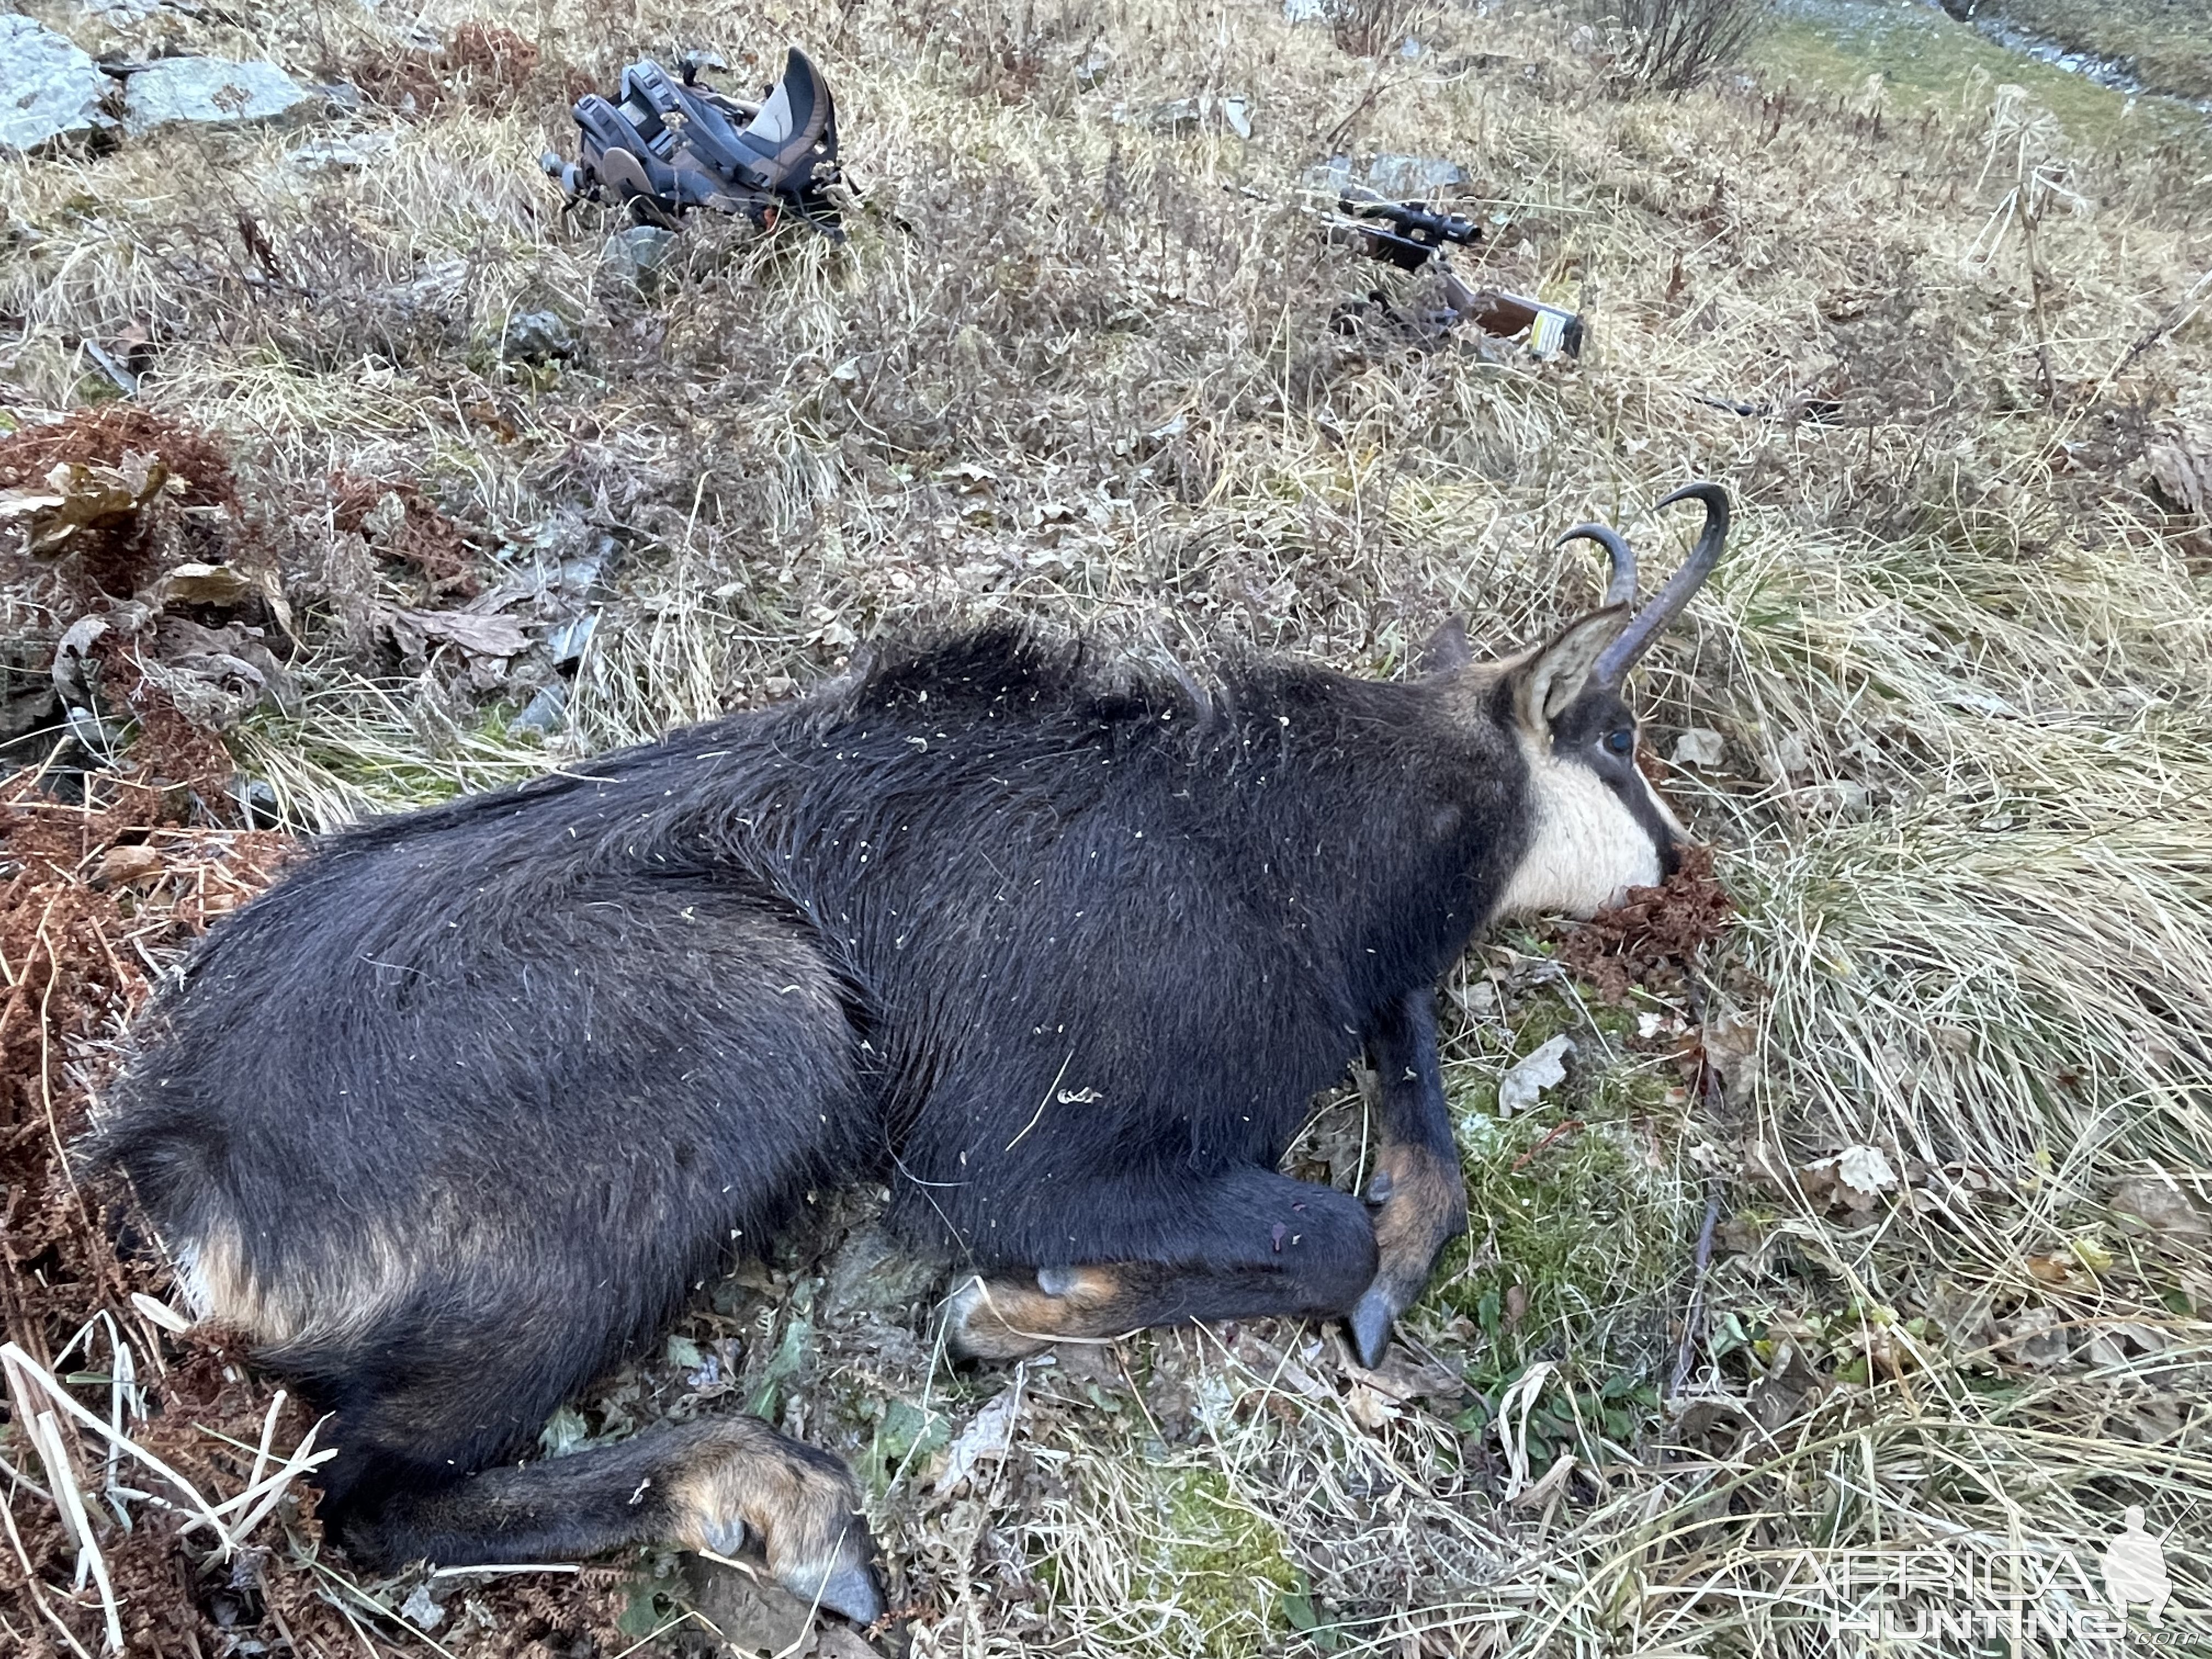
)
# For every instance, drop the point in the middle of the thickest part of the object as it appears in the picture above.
(1447, 648)
(1549, 680)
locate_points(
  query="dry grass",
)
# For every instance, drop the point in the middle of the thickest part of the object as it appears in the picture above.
(1072, 366)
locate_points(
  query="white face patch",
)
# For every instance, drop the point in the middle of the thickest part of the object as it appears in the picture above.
(1587, 849)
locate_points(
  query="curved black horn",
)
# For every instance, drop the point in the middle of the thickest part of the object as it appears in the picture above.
(1620, 586)
(1666, 604)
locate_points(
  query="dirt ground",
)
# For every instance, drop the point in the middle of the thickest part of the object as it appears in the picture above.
(1842, 1238)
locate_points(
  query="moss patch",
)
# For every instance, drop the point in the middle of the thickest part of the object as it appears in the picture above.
(1582, 1225)
(1222, 1564)
(1577, 1239)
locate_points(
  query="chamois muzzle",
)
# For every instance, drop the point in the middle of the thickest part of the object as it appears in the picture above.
(1618, 658)
(1620, 586)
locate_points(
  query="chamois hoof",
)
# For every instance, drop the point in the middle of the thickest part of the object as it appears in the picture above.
(1371, 1320)
(996, 1319)
(849, 1587)
(747, 1480)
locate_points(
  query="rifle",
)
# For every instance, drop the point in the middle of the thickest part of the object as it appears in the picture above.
(1408, 235)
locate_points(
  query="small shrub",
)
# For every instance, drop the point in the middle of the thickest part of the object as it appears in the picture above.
(410, 531)
(483, 65)
(1369, 28)
(1672, 44)
(133, 469)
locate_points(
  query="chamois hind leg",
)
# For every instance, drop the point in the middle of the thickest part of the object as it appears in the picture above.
(443, 1200)
(430, 1421)
(1170, 1249)
(704, 1486)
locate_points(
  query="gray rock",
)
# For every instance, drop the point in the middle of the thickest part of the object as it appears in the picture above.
(258, 798)
(209, 91)
(1180, 115)
(358, 149)
(545, 711)
(638, 255)
(439, 289)
(1414, 177)
(539, 337)
(1336, 175)
(1399, 177)
(1205, 113)
(49, 89)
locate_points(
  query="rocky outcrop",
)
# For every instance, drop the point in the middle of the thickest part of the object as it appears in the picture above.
(49, 89)
(209, 91)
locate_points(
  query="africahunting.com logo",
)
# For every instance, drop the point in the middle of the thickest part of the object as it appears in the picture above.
(1979, 1589)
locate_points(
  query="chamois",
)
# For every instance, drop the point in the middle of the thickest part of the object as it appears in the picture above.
(451, 1118)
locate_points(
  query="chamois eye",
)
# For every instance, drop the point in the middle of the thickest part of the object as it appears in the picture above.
(1620, 741)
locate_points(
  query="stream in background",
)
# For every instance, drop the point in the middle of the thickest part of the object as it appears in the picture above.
(1929, 53)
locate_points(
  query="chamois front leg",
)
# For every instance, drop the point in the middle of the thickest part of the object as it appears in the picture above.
(1418, 1189)
(1162, 1247)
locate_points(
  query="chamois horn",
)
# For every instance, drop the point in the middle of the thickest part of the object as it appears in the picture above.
(1620, 586)
(1667, 604)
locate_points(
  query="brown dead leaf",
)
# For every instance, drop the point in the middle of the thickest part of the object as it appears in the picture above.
(82, 504)
(1714, 1427)
(2183, 476)
(479, 635)
(214, 676)
(986, 1438)
(1731, 1046)
(400, 523)
(1398, 1378)
(126, 865)
(1789, 1387)
(223, 587)
(2158, 1206)
(1265, 1361)
(1367, 1407)
(1652, 935)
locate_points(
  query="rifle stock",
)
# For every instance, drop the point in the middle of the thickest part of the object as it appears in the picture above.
(1550, 329)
